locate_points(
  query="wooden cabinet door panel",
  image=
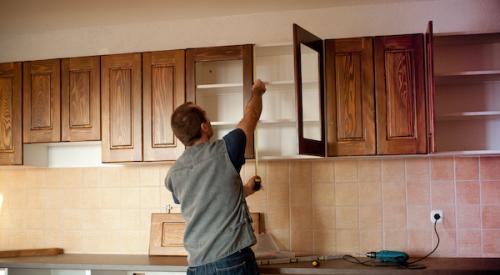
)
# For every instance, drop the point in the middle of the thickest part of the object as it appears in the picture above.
(41, 100)
(400, 94)
(11, 148)
(163, 91)
(81, 99)
(350, 97)
(121, 108)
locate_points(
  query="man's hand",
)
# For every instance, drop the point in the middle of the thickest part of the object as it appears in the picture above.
(248, 188)
(258, 88)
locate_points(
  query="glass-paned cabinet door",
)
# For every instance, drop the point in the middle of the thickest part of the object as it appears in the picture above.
(219, 79)
(308, 60)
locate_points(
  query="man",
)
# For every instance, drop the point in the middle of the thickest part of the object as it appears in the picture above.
(205, 180)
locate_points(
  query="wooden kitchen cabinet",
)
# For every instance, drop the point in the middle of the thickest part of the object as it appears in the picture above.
(41, 101)
(350, 97)
(163, 91)
(376, 95)
(220, 79)
(81, 99)
(121, 107)
(400, 94)
(11, 148)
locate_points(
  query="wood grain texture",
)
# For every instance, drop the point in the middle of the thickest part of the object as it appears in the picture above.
(121, 108)
(431, 93)
(350, 97)
(163, 91)
(301, 36)
(31, 252)
(400, 94)
(41, 101)
(167, 233)
(11, 148)
(243, 52)
(81, 99)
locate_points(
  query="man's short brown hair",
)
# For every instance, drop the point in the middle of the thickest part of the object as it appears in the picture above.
(186, 123)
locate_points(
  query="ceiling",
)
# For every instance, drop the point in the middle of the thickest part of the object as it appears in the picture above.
(27, 16)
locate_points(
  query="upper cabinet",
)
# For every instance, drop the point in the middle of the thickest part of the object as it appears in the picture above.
(220, 80)
(467, 93)
(400, 94)
(11, 149)
(163, 91)
(41, 101)
(121, 107)
(375, 94)
(81, 99)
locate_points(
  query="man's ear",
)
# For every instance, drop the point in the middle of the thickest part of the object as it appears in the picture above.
(204, 127)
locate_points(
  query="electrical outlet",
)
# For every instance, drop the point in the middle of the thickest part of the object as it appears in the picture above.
(440, 212)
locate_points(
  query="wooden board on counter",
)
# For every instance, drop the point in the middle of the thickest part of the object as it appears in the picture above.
(167, 233)
(31, 252)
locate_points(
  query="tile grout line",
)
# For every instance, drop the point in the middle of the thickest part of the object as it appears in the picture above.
(429, 180)
(382, 203)
(455, 204)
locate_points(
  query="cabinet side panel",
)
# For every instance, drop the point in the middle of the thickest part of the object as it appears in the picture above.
(6, 112)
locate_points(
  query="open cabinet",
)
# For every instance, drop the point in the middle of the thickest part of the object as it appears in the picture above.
(220, 79)
(375, 93)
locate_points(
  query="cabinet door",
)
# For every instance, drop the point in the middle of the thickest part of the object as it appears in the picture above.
(11, 148)
(350, 97)
(121, 108)
(42, 101)
(429, 66)
(163, 91)
(219, 85)
(81, 99)
(400, 94)
(308, 57)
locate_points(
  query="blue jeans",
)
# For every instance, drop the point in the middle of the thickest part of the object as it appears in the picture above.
(239, 263)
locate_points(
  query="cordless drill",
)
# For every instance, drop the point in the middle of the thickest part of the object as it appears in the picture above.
(388, 256)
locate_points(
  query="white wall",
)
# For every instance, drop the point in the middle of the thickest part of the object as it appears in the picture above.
(449, 16)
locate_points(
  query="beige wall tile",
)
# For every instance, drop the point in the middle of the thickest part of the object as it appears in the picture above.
(346, 171)
(108, 219)
(137, 242)
(90, 198)
(301, 217)
(109, 198)
(370, 240)
(34, 219)
(130, 219)
(322, 171)
(394, 216)
(111, 177)
(370, 193)
(395, 239)
(278, 172)
(323, 194)
(130, 177)
(301, 242)
(419, 242)
(370, 170)
(346, 194)
(447, 243)
(323, 218)
(91, 177)
(417, 169)
(370, 218)
(346, 217)
(467, 168)
(347, 241)
(324, 242)
(278, 218)
(394, 193)
(300, 172)
(300, 194)
(53, 198)
(150, 176)
(130, 197)
(281, 238)
(418, 217)
(469, 243)
(278, 193)
(442, 168)
(418, 193)
(393, 170)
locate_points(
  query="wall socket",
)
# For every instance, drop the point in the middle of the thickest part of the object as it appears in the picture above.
(440, 212)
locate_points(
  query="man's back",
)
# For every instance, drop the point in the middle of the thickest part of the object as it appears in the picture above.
(210, 190)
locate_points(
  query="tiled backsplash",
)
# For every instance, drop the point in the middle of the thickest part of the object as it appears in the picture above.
(309, 206)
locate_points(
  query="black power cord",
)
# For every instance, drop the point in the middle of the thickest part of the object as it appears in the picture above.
(408, 265)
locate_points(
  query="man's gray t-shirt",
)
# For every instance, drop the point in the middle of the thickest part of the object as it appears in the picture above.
(209, 188)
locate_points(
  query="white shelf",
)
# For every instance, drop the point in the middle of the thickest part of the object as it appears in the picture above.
(263, 122)
(469, 73)
(467, 153)
(218, 86)
(224, 123)
(457, 78)
(468, 115)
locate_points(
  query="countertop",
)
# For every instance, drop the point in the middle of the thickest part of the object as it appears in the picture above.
(178, 264)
